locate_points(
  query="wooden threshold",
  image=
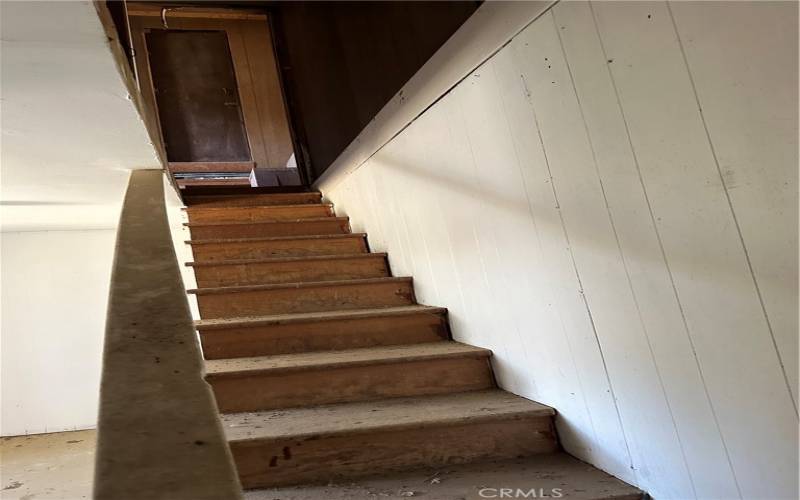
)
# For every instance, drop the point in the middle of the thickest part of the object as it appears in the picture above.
(236, 181)
(196, 167)
(239, 190)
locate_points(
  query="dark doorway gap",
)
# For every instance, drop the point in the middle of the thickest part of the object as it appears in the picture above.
(342, 61)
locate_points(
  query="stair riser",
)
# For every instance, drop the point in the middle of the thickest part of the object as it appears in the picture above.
(292, 271)
(250, 200)
(283, 462)
(332, 226)
(208, 252)
(286, 389)
(330, 335)
(258, 214)
(298, 300)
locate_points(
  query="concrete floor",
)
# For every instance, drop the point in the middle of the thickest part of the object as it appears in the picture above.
(39, 466)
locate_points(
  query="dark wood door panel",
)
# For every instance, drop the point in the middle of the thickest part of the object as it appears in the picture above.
(197, 96)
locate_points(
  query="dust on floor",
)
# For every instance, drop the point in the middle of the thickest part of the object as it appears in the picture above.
(40, 466)
(61, 465)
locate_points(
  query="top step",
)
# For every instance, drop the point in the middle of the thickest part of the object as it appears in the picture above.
(252, 200)
(227, 190)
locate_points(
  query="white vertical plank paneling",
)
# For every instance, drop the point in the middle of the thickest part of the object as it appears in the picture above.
(431, 135)
(401, 162)
(529, 302)
(503, 211)
(600, 268)
(662, 323)
(630, 259)
(388, 160)
(497, 329)
(738, 54)
(384, 177)
(611, 448)
(343, 197)
(469, 314)
(367, 211)
(704, 251)
(563, 375)
(377, 236)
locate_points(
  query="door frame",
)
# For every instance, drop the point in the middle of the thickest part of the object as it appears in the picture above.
(241, 27)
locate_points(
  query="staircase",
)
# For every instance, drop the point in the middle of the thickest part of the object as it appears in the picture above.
(323, 364)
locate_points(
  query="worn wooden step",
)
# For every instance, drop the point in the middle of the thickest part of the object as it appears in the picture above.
(333, 330)
(315, 378)
(278, 246)
(248, 200)
(293, 446)
(290, 269)
(299, 227)
(258, 300)
(537, 477)
(259, 213)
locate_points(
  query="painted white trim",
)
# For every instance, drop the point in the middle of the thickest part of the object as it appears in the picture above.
(492, 26)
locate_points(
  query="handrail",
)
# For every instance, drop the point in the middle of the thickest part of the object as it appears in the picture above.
(159, 435)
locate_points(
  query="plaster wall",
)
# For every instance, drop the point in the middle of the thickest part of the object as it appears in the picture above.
(71, 135)
(54, 291)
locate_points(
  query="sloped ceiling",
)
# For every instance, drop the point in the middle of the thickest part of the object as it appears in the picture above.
(70, 132)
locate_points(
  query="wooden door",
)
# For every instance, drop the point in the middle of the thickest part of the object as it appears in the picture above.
(197, 96)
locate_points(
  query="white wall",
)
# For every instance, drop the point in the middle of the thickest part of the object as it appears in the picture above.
(71, 134)
(52, 320)
(610, 204)
(70, 131)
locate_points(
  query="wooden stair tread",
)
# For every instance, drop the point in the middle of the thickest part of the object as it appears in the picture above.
(369, 416)
(250, 191)
(194, 197)
(230, 262)
(216, 324)
(250, 207)
(275, 238)
(322, 364)
(308, 284)
(287, 221)
(258, 213)
(545, 473)
(337, 359)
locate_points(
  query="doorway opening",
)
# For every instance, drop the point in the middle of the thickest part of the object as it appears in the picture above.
(211, 85)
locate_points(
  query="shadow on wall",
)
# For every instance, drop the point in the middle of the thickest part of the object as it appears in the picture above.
(463, 187)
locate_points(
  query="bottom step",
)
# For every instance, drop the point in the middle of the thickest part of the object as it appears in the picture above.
(324, 443)
(556, 475)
